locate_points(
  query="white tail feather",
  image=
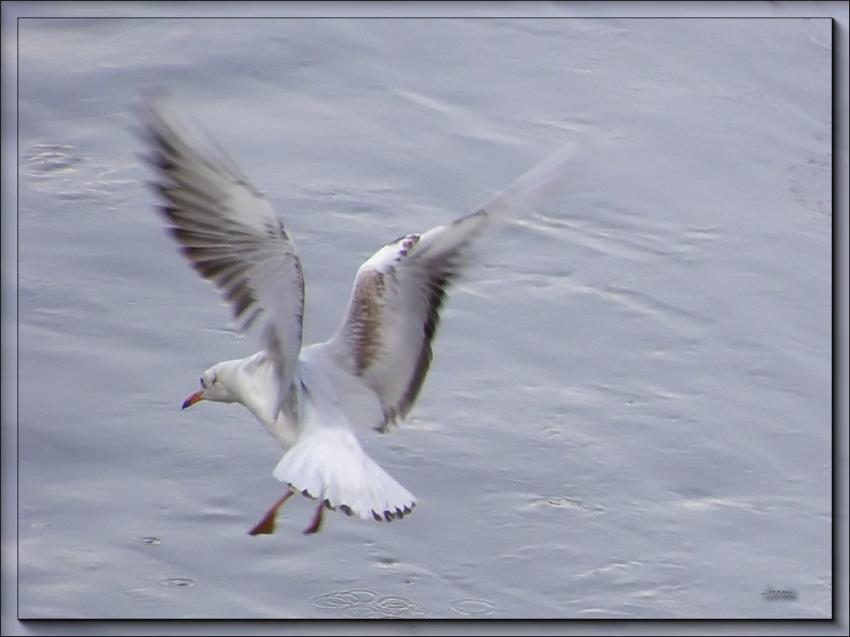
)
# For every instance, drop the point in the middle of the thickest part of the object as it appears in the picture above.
(329, 464)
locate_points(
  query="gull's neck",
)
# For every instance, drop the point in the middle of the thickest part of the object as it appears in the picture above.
(253, 381)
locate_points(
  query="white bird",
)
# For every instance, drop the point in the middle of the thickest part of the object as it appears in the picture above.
(231, 235)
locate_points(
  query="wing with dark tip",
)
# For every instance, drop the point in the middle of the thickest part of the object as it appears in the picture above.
(394, 310)
(230, 234)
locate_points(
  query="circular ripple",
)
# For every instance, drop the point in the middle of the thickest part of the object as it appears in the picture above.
(179, 582)
(363, 612)
(148, 539)
(386, 562)
(343, 599)
(397, 606)
(564, 501)
(473, 607)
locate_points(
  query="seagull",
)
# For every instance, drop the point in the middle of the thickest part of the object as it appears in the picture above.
(230, 234)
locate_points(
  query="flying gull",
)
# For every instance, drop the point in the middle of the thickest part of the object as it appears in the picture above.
(230, 234)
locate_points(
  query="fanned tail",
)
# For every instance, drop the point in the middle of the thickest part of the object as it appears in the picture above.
(328, 463)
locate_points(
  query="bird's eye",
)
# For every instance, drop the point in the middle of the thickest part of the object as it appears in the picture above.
(203, 383)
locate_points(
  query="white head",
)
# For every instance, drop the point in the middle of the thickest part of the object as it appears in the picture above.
(217, 385)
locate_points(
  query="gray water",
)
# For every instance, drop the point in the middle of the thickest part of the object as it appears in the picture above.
(628, 414)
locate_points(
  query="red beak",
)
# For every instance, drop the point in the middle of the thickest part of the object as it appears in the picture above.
(191, 400)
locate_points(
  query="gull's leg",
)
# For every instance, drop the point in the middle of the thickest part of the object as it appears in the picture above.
(266, 525)
(316, 524)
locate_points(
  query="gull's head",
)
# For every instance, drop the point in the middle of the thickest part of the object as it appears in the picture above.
(216, 386)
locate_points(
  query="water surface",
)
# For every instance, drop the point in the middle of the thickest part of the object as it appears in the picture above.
(628, 412)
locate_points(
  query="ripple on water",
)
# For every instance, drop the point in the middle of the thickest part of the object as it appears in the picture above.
(49, 159)
(178, 582)
(473, 607)
(398, 606)
(362, 612)
(386, 562)
(566, 502)
(343, 599)
(365, 604)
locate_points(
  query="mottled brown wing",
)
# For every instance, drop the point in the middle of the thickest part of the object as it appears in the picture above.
(394, 310)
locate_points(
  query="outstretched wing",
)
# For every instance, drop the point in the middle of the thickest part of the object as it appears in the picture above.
(230, 234)
(394, 311)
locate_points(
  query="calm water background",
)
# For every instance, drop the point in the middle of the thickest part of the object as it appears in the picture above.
(629, 410)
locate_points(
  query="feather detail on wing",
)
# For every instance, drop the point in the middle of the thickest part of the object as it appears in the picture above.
(394, 311)
(231, 236)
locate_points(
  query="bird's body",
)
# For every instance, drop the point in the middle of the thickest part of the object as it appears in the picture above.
(382, 348)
